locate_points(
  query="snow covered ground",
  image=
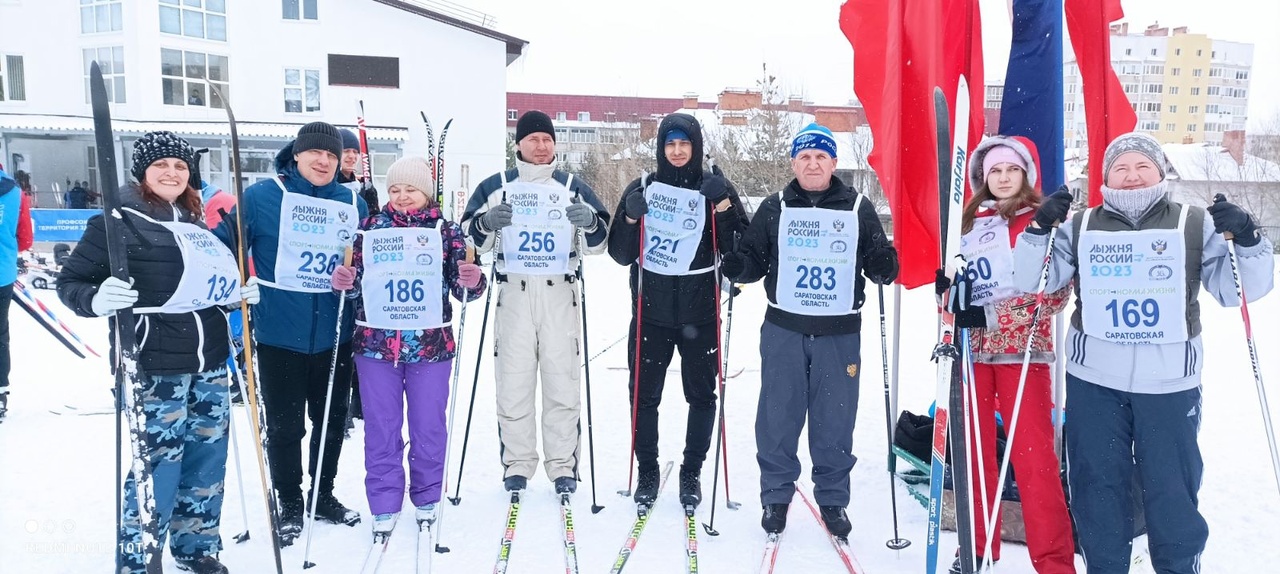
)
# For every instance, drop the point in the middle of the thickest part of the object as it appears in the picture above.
(57, 488)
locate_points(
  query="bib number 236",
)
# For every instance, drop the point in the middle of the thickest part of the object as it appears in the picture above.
(319, 263)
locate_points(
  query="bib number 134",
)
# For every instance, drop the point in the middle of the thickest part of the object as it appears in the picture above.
(815, 277)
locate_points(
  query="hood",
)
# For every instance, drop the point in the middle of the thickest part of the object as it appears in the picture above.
(1021, 145)
(688, 176)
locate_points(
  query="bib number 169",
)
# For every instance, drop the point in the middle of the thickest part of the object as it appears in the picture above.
(1132, 312)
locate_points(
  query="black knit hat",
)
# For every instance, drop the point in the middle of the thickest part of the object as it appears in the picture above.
(318, 135)
(532, 122)
(349, 140)
(156, 145)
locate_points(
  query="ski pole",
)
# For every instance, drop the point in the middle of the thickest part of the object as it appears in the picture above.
(591, 443)
(1253, 350)
(453, 399)
(978, 459)
(722, 360)
(897, 542)
(635, 366)
(235, 448)
(1017, 401)
(324, 426)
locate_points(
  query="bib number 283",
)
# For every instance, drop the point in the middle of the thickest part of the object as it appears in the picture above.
(815, 277)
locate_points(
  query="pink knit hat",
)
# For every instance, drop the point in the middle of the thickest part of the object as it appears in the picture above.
(1002, 154)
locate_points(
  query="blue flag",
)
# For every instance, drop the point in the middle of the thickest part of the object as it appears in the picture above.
(1032, 103)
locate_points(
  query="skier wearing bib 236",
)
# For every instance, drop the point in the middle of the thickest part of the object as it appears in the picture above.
(829, 237)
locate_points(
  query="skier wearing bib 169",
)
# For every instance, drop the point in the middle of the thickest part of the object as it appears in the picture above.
(538, 221)
(676, 204)
(407, 262)
(813, 243)
(1135, 359)
(296, 227)
(1004, 174)
(181, 278)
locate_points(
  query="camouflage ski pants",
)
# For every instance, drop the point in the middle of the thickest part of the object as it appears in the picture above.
(187, 418)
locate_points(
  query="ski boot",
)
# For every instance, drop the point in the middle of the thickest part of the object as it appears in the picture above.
(201, 565)
(566, 485)
(690, 487)
(426, 513)
(774, 520)
(515, 482)
(290, 517)
(328, 509)
(647, 488)
(836, 520)
(957, 569)
(4, 403)
(383, 524)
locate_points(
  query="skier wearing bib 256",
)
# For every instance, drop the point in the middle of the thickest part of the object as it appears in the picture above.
(812, 243)
(546, 220)
(678, 293)
(181, 279)
(296, 227)
(403, 341)
(1135, 358)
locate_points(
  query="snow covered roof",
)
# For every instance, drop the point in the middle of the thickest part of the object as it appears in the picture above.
(1205, 162)
(82, 124)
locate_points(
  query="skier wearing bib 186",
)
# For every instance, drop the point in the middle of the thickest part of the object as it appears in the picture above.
(1135, 359)
(181, 278)
(829, 237)
(1004, 174)
(678, 293)
(403, 341)
(296, 227)
(536, 328)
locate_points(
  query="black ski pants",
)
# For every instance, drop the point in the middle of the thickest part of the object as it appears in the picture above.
(295, 383)
(698, 367)
(6, 296)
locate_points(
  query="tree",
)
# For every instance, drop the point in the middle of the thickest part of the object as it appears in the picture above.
(757, 155)
(511, 152)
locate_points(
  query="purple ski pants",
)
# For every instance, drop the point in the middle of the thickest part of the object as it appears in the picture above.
(384, 388)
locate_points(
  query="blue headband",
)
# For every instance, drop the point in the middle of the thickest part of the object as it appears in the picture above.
(676, 134)
(814, 136)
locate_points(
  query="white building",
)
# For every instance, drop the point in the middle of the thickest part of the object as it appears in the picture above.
(281, 64)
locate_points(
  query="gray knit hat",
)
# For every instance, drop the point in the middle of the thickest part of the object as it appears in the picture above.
(1134, 141)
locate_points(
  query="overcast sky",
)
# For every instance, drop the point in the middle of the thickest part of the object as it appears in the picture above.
(669, 47)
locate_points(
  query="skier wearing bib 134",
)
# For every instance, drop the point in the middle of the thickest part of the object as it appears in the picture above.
(812, 243)
(1134, 350)
(546, 219)
(677, 205)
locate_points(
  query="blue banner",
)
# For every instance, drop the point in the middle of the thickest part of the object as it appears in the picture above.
(65, 225)
(1032, 105)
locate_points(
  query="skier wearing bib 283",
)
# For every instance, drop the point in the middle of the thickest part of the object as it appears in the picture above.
(546, 219)
(296, 228)
(1135, 352)
(181, 278)
(812, 243)
(678, 307)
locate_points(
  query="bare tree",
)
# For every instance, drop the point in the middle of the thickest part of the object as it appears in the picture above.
(757, 156)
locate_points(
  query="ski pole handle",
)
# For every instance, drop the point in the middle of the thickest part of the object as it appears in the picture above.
(346, 256)
(471, 254)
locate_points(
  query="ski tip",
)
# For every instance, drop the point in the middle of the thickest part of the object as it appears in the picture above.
(596, 508)
(898, 543)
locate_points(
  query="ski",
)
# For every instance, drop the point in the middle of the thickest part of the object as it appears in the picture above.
(570, 538)
(424, 548)
(691, 539)
(378, 549)
(509, 534)
(70, 410)
(45, 317)
(841, 544)
(637, 527)
(431, 146)
(772, 543)
(127, 376)
(438, 168)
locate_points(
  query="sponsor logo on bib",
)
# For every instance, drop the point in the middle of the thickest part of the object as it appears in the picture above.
(837, 225)
(1160, 272)
(839, 246)
(1159, 246)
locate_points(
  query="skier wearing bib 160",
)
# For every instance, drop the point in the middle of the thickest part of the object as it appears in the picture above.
(678, 310)
(296, 227)
(1135, 351)
(813, 243)
(546, 220)
(407, 262)
(181, 279)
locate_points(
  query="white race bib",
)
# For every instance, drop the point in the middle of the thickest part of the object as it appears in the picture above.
(540, 236)
(817, 255)
(403, 278)
(314, 233)
(1133, 284)
(672, 228)
(990, 257)
(210, 275)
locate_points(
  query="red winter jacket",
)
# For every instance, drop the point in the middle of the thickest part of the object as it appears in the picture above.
(25, 234)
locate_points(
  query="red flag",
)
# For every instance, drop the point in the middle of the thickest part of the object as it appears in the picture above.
(1107, 110)
(902, 49)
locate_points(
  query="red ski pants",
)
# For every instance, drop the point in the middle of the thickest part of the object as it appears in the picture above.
(1044, 509)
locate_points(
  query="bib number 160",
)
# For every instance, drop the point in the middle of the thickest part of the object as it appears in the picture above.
(816, 277)
(1133, 312)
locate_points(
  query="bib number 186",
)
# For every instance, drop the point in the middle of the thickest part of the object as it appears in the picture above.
(813, 277)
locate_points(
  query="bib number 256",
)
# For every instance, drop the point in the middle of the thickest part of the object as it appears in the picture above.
(815, 277)
(537, 241)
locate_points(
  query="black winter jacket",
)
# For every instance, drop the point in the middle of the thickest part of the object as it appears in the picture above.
(759, 249)
(168, 343)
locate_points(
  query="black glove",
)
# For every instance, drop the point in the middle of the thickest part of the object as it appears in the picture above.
(635, 205)
(1053, 211)
(1229, 218)
(940, 282)
(715, 188)
(881, 264)
(732, 265)
(497, 217)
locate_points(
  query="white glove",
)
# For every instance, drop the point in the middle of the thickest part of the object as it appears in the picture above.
(113, 294)
(249, 292)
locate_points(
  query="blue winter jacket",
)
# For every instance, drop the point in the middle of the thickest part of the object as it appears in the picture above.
(300, 322)
(10, 211)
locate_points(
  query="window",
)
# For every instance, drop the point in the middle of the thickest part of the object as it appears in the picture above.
(1153, 51)
(1153, 88)
(1149, 126)
(1242, 74)
(1175, 71)
(1170, 127)
(1173, 90)
(301, 91)
(560, 116)
(291, 9)
(1191, 127)
(1176, 52)
(1214, 90)
(1212, 109)
(1153, 69)
(111, 62)
(1213, 54)
(1149, 107)
(1195, 92)
(1197, 72)
(1215, 72)
(13, 84)
(1173, 108)
(194, 18)
(1194, 109)
(91, 157)
(1131, 88)
(100, 16)
(584, 116)
(1199, 53)
(185, 77)
(1237, 93)
(1071, 106)
(513, 115)
(365, 71)
(1128, 51)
